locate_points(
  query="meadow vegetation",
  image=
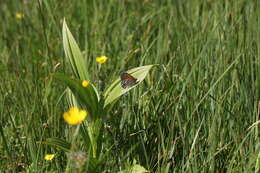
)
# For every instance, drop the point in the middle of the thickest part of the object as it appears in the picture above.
(197, 111)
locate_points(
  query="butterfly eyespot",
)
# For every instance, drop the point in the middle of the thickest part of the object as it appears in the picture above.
(127, 80)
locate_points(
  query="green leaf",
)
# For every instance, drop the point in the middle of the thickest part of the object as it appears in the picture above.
(115, 90)
(73, 54)
(87, 96)
(59, 143)
(134, 169)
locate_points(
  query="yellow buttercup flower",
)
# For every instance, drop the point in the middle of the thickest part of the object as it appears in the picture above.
(49, 156)
(85, 83)
(19, 15)
(101, 59)
(74, 116)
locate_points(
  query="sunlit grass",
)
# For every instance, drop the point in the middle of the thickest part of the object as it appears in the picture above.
(197, 112)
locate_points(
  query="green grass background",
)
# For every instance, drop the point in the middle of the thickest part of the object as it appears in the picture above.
(192, 113)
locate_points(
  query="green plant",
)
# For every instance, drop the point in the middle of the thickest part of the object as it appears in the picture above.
(97, 104)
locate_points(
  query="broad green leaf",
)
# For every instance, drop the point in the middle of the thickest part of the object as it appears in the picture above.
(73, 54)
(87, 95)
(59, 143)
(135, 169)
(115, 90)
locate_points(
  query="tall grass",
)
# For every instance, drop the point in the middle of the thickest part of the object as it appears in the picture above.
(194, 113)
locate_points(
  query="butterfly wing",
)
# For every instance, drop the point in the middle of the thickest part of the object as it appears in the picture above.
(127, 80)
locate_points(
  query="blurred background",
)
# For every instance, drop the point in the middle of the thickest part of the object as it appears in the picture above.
(196, 112)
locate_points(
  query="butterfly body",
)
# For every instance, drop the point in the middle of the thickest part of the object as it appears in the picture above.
(127, 80)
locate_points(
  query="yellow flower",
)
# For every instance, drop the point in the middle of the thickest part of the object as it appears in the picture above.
(85, 83)
(101, 59)
(49, 156)
(74, 116)
(19, 15)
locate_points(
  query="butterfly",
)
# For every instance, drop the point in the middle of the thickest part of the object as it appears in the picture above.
(127, 80)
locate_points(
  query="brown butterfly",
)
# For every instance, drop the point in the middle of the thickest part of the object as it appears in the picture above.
(127, 80)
